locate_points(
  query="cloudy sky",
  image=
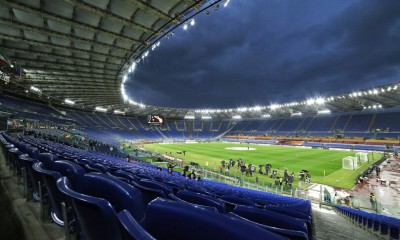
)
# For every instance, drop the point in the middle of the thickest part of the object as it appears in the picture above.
(260, 52)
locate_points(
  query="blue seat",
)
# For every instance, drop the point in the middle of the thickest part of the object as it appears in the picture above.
(232, 201)
(166, 219)
(291, 234)
(32, 178)
(126, 176)
(47, 159)
(148, 194)
(273, 219)
(201, 199)
(50, 175)
(97, 198)
(156, 185)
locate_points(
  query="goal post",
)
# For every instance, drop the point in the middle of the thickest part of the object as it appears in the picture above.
(362, 156)
(351, 163)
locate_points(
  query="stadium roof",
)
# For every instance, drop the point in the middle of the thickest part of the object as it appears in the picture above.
(72, 49)
(79, 50)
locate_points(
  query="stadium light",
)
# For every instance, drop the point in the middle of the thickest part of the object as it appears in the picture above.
(327, 111)
(274, 106)
(100, 109)
(206, 117)
(320, 100)
(185, 26)
(119, 112)
(35, 89)
(297, 114)
(237, 117)
(192, 22)
(266, 116)
(226, 3)
(68, 101)
(132, 68)
(310, 101)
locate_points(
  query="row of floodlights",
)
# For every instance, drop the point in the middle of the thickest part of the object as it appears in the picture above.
(373, 91)
(375, 106)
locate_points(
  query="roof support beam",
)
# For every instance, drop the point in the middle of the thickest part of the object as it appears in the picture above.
(66, 70)
(53, 46)
(57, 63)
(146, 7)
(109, 15)
(51, 33)
(53, 55)
(44, 14)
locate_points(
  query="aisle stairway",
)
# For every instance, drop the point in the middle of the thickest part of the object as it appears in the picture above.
(330, 225)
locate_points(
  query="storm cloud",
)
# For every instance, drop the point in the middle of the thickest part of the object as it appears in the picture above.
(261, 52)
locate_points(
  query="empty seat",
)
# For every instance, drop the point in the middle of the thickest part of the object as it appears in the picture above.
(166, 219)
(271, 218)
(201, 199)
(97, 198)
(50, 175)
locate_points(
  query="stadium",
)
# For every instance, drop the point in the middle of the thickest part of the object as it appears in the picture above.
(199, 119)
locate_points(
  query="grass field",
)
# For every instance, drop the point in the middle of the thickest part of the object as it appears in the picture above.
(317, 161)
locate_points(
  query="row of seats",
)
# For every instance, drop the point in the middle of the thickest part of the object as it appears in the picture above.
(83, 190)
(379, 223)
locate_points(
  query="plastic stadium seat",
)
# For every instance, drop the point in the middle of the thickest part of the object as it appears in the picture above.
(272, 219)
(131, 229)
(166, 219)
(291, 234)
(201, 199)
(232, 201)
(50, 175)
(148, 194)
(47, 159)
(97, 199)
(156, 185)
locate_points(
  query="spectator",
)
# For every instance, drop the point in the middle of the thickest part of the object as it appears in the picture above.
(372, 199)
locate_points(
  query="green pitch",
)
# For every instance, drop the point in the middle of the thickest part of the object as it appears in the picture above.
(325, 166)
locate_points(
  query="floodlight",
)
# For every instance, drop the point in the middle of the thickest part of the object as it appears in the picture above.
(237, 117)
(296, 114)
(320, 101)
(310, 102)
(326, 111)
(192, 22)
(266, 116)
(226, 3)
(395, 87)
(119, 112)
(185, 26)
(189, 117)
(68, 101)
(100, 109)
(273, 106)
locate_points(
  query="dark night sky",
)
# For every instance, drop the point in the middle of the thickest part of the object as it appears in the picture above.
(260, 52)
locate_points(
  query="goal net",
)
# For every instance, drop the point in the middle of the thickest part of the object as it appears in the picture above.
(362, 156)
(351, 163)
